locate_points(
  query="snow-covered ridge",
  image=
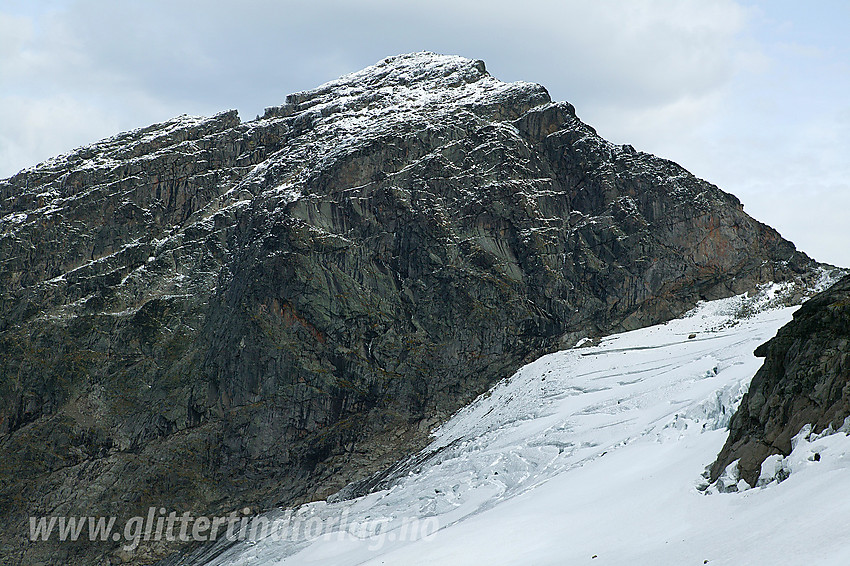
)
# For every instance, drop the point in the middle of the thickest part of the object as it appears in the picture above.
(394, 86)
(409, 82)
(391, 100)
(141, 143)
(585, 453)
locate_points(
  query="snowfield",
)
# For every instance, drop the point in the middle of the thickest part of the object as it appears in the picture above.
(596, 455)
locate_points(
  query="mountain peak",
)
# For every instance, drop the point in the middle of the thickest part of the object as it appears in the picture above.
(273, 309)
(424, 70)
(412, 82)
(422, 66)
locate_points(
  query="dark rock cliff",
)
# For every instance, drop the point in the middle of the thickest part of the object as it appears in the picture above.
(207, 314)
(805, 379)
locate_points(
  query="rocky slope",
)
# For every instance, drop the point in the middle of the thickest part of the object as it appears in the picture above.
(805, 380)
(207, 314)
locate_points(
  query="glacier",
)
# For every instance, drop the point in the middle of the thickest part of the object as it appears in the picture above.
(593, 455)
(596, 454)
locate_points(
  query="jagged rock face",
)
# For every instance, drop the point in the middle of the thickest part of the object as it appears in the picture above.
(805, 379)
(208, 313)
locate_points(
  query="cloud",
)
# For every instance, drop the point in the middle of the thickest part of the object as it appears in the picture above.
(47, 126)
(657, 50)
(15, 33)
(201, 57)
(744, 93)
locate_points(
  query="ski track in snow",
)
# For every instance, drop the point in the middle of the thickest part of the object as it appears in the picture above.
(593, 456)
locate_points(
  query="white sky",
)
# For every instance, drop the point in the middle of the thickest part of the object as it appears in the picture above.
(750, 95)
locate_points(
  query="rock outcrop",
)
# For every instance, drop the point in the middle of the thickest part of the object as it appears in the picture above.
(207, 314)
(805, 380)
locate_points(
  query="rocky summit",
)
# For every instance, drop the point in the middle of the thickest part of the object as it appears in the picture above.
(805, 380)
(207, 314)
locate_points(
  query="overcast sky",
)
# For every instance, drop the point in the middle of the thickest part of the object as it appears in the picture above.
(750, 95)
